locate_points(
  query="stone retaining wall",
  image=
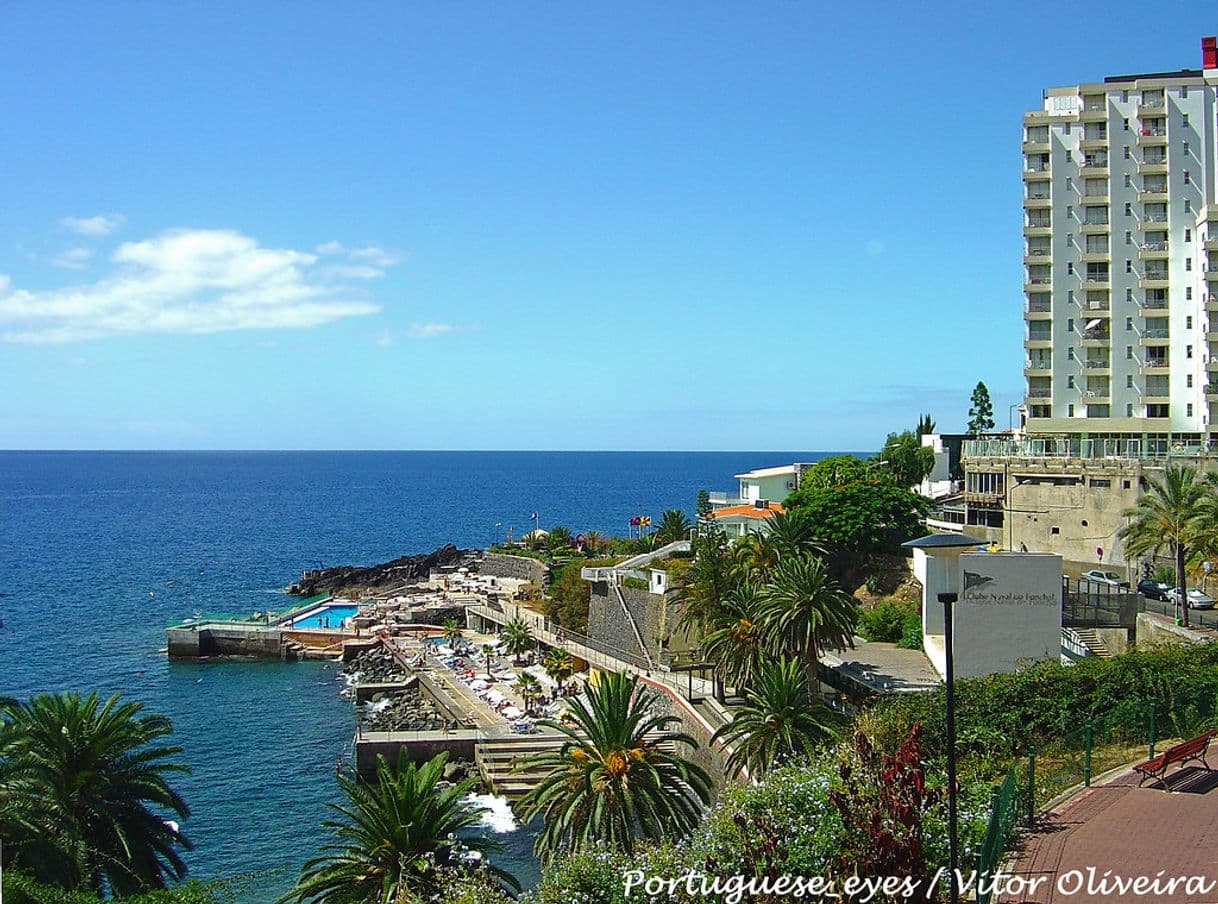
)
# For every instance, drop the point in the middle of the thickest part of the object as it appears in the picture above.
(522, 567)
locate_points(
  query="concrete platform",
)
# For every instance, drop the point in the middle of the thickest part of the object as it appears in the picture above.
(883, 667)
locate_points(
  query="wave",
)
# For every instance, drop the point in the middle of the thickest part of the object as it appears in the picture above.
(497, 813)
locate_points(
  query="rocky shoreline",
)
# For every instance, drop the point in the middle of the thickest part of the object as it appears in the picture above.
(346, 579)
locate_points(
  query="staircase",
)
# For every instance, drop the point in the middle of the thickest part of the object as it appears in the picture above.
(495, 758)
(1094, 645)
(638, 638)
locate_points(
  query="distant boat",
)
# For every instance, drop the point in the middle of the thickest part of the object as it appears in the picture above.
(170, 583)
(152, 593)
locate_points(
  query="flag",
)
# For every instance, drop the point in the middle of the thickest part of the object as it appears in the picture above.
(645, 521)
(636, 521)
(533, 516)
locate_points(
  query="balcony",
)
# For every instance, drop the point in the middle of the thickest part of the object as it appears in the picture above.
(1152, 109)
(1153, 250)
(1038, 284)
(1095, 257)
(1093, 168)
(1211, 304)
(1153, 223)
(1149, 398)
(1095, 338)
(1031, 367)
(1036, 147)
(1155, 337)
(1037, 202)
(1098, 366)
(1094, 200)
(1038, 340)
(1211, 276)
(1154, 193)
(1097, 397)
(1096, 281)
(1095, 308)
(1096, 228)
(1211, 392)
(1155, 366)
(1038, 305)
(1036, 171)
(1040, 392)
(1037, 229)
(1211, 366)
(1038, 256)
(1094, 144)
(1153, 136)
(1153, 304)
(1153, 166)
(1153, 279)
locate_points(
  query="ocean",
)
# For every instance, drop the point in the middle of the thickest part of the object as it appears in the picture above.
(100, 551)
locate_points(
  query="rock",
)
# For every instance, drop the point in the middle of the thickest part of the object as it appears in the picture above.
(454, 772)
(388, 574)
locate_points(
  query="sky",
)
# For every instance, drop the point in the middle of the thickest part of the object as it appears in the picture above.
(703, 226)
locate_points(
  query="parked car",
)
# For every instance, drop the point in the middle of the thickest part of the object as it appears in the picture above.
(1153, 590)
(1196, 599)
(1107, 578)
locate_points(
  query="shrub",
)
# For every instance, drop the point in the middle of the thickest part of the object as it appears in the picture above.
(911, 632)
(884, 621)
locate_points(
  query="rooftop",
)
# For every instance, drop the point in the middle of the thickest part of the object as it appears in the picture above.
(747, 511)
(779, 471)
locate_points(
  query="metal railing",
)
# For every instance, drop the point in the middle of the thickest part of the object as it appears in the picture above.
(1074, 447)
(1000, 830)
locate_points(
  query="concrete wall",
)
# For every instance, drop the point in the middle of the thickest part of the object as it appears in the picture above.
(418, 746)
(1153, 631)
(223, 640)
(710, 758)
(504, 566)
(608, 624)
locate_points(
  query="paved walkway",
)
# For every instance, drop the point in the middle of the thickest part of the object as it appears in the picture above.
(1130, 831)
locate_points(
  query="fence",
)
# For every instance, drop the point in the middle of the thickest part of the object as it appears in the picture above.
(1126, 733)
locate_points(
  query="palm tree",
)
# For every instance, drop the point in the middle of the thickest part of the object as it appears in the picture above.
(529, 688)
(611, 783)
(733, 642)
(804, 611)
(702, 588)
(754, 556)
(779, 723)
(674, 525)
(488, 651)
(452, 630)
(392, 836)
(559, 538)
(517, 638)
(1168, 514)
(594, 541)
(559, 665)
(91, 779)
(793, 533)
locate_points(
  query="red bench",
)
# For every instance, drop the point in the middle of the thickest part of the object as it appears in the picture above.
(1192, 749)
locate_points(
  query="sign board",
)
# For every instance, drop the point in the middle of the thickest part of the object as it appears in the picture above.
(1009, 613)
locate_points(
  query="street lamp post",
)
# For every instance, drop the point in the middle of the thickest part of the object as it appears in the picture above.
(947, 599)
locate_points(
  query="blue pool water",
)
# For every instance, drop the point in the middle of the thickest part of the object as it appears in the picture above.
(326, 617)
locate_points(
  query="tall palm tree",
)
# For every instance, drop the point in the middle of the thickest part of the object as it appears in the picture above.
(754, 557)
(793, 533)
(559, 665)
(733, 642)
(803, 611)
(517, 637)
(1168, 514)
(559, 538)
(611, 783)
(92, 776)
(779, 722)
(529, 688)
(453, 631)
(702, 588)
(674, 525)
(392, 836)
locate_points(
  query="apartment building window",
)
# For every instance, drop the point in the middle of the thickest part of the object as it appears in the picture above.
(1183, 95)
(1070, 268)
(1126, 152)
(1128, 409)
(1128, 266)
(1184, 119)
(1188, 263)
(1069, 184)
(1066, 131)
(1186, 149)
(1069, 156)
(1129, 353)
(1070, 353)
(1128, 181)
(1124, 97)
(1126, 125)
(1156, 411)
(1128, 324)
(1069, 212)
(1129, 381)
(1070, 296)
(1188, 409)
(1128, 237)
(1188, 206)
(1069, 382)
(1188, 381)
(1188, 325)
(1069, 411)
(1188, 235)
(1129, 294)
(1188, 351)
(1188, 293)
(1128, 209)
(1187, 178)
(1070, 325)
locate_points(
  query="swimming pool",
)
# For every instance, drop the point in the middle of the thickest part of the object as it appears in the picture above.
(324, 617)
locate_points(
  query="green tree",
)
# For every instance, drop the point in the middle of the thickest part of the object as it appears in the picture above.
(981, 411)
(393, 836)
(906, 458)
(834, 471)
(700, 590)
(674, 525)
(803, 611)
(570, 595)
(452, 630)
(529, 688)
(703, 505)
(517, 637)
(611, 783)
(926, 425)
(733, 640)
(793, 533)
(754, 556)
(779, 722)
(85, 783)
(559, 538)
(559, 665)
(1169, 514)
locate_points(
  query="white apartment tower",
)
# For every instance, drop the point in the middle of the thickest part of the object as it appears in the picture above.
(1121, 254)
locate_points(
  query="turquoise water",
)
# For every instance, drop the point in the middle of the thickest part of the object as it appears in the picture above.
(100, 551)
(326, 617)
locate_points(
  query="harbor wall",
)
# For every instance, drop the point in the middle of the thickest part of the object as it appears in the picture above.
(419, 746)
(194, 641)
(500, 565)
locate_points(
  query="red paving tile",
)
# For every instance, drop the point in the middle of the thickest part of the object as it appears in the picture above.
(1131, 832)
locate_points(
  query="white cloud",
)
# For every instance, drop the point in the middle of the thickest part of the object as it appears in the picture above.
(183, 281)
(353, 271)
(72, 259)
(376, 256)
(332, 247)
(102, 224)
(429, 330)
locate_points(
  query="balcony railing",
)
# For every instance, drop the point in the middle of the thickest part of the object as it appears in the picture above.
(1038, 252)
(1039, 306)
(1095, 221)
(1211, 388)
(1037, 167)
(1154, 246)
(1157, 333)
(1040, 393)
(1039, 280)
(1039, 223)
(1156, 362)
(1096, 335)
(1155, 218)
(1155, 274)
(1154, 304)
(1154, 132)
(1037, 365)
(1097, 363)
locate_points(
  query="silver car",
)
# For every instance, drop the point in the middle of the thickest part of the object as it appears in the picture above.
(1196, 599)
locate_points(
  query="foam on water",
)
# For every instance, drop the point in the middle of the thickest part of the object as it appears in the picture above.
(497, 815)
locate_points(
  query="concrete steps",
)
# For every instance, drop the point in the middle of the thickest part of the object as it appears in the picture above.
(496, 759)
(1094, 645)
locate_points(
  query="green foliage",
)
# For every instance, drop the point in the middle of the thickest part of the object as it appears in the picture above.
(703, 506)
(393, 837)
(858, 519)
(981, 410)
(926, 424)
(517, 637)
(674, 525)
(83, 786)
(635, 583)
(570, 595)
(559, 539)
(911, 632)
(834, 471)
(1164, 574)
(21, 889)
(906, 459)
(610, 783)
(885, 621)
(779, 722)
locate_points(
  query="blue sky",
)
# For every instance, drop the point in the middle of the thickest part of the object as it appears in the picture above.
(523, 226)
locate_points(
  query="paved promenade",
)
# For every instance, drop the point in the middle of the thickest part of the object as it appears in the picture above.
(1117, 826)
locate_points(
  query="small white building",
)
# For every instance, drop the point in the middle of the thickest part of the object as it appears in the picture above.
(738, 520)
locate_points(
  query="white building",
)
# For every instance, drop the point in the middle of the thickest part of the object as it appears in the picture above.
(1121, 255)
(769, 484)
